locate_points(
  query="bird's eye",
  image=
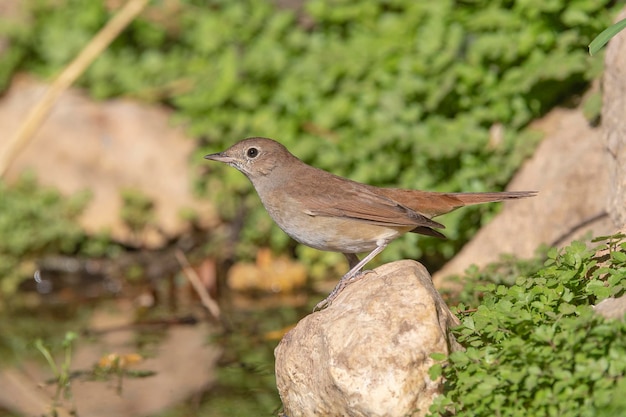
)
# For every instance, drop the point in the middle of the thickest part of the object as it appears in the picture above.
(252, 152)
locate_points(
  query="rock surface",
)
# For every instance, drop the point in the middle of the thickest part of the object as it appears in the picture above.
(579, 171)
(569, 169)
(106, 147)
(614, 122)
(368, 353)
(612, 308)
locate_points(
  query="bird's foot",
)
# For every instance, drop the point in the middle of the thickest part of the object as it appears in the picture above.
(343, 283)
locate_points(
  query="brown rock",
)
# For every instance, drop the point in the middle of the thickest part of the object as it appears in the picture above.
(614, 122)
(368, 353)
(612, 308)
(106, 147)
(569, 171)
(268, 273)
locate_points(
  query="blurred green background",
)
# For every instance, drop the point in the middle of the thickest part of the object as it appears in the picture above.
(392, 93)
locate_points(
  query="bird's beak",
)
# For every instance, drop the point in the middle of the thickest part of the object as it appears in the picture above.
(220, 157)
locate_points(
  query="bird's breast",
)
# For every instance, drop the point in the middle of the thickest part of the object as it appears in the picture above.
(336, 234)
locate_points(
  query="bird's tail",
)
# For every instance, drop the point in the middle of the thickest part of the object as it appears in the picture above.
(478, 198)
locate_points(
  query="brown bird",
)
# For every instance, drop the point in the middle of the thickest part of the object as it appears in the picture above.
(331, 213)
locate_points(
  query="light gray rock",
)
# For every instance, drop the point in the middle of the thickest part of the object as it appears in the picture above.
(612, 308)
(106, 147)
(579, 171)
(368, 353)
(614, 122)
(569, 169)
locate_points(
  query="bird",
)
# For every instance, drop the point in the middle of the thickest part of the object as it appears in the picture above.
(331, 213)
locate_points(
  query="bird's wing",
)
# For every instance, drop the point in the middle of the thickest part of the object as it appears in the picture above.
(360, 202)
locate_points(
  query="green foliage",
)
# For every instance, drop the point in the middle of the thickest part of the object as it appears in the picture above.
(137, 210)
(48, 322)
(61, 372)
(35, 222)
(394, 93)
(537, 348)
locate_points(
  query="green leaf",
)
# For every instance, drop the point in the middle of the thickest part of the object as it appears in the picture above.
(438, 356)
(618, 256)
(435, 371)
(604, 37)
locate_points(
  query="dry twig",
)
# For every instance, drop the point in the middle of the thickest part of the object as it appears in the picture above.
(193, 277)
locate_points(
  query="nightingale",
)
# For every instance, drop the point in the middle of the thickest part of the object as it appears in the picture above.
(332, 213)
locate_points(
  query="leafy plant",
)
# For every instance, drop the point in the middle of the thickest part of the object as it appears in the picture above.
(61, 372)
(37, 221)
(137, 211)
(537, 348)
(33, 222)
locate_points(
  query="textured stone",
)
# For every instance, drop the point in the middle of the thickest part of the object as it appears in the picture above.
(368, 354)
(579, 171)
(106, 147)
(569, 169)
(612, 308)
(614, 122)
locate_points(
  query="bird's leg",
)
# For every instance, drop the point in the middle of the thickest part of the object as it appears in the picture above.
(354, 272)
(353, 260)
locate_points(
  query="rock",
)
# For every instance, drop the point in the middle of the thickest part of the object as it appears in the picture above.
(570, 172)
(368, 353)
(612, 308)
(614, 123)
(106, 147)
(579, 171)
(268, 273)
